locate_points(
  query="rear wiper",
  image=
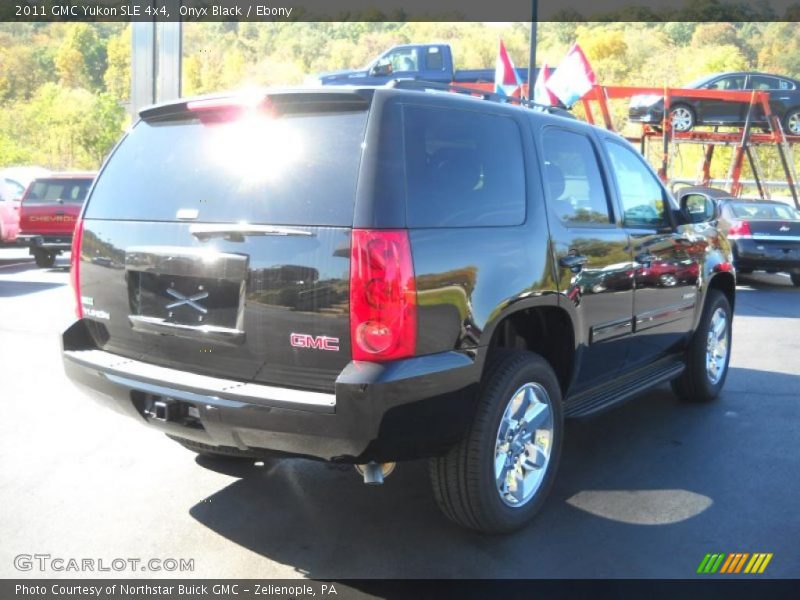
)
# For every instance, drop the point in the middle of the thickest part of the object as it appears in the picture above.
(236, 232)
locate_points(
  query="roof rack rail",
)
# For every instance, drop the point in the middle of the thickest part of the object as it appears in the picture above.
(416, 84)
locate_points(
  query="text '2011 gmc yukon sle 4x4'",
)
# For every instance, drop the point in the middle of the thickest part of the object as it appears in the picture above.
(372, 275)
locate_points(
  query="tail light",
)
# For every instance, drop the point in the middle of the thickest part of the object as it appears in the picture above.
(383, 296)
(75, 266)
(740, 229)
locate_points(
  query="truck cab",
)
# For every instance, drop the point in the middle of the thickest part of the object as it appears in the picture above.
(429, 62)
(425, 62)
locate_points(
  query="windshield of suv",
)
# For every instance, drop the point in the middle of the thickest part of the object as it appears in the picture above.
(764, 211)
(290, 170)
(68, 191)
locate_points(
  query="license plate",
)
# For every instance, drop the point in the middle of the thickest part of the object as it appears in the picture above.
(186, 300)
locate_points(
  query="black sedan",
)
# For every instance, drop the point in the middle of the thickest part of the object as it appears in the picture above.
(784, 93)
(764, 234)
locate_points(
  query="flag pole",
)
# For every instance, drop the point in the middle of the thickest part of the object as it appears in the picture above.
(532, 57)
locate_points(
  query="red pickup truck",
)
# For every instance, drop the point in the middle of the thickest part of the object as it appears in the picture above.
(49, 211)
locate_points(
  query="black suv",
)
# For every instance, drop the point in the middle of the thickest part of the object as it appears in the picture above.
(381, 274)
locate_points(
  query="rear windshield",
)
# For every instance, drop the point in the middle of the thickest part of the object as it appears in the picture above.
(289, 170)
(755, 210)
(64, 191)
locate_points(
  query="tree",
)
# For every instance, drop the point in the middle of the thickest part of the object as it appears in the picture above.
(117, 77)
(81, 58)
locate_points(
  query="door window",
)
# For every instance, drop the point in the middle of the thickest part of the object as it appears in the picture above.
(761, 82)
(403, 59)
(640, 191)
(574, 184)
(735, 82)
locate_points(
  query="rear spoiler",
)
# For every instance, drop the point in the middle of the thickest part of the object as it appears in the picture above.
(276, 101)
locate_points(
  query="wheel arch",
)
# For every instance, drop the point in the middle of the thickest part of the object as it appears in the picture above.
(546, 330)
(725, 282)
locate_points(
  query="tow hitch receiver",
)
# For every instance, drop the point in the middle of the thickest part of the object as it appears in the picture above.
(165, 409)
(162, 410)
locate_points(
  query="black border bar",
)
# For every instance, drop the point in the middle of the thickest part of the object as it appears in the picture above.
(398, 10)
(709, 588)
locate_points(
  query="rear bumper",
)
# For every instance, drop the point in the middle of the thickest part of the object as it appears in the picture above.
(766, 254)
(401, 410)
(45, 242)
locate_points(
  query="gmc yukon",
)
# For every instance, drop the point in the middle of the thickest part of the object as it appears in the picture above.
(371, 275)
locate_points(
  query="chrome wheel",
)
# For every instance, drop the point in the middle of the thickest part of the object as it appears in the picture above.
(682, 119)
(523, 445)
(793, 122)
(717, 346)
(668, 280)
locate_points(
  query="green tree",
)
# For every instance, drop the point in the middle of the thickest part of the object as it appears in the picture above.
(117, 77)
(81, 58)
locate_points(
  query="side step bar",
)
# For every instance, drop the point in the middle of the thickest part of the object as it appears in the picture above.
(599, 399)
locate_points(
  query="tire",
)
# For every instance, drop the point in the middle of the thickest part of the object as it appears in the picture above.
(44, 260)
(791, 122)
(699, 383)
(686, 116)
(217, 452)
(795, 279)
(464, 479)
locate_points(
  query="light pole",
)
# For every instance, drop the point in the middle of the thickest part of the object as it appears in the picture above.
(532, 57)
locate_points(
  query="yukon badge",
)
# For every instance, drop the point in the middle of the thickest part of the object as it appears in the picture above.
(319, 342)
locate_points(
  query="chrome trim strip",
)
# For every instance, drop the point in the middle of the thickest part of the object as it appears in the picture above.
(662, 316)
(224, 335)
(766, 238)
(607, 331)
(227, 389)
(205, 231)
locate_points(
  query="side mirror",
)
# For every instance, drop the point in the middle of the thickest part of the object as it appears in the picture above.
(381, 69)
(698, 208)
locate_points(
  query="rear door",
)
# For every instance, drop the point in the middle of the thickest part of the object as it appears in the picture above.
(217, 240)
(781, 93)
(723, 111)
(592, 250)
(51, 205)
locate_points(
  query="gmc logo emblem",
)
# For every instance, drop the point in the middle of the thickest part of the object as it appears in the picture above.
(320, 342)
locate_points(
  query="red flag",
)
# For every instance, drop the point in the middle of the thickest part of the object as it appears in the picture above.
(506, 80)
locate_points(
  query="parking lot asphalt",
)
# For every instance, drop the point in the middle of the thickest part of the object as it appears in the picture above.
(644, 490)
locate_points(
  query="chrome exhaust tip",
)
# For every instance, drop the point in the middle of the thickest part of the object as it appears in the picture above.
(374, 473)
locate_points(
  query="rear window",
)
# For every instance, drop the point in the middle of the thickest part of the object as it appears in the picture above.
(66, 191)
(290, 170)
(755, 210)
(463, 168)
